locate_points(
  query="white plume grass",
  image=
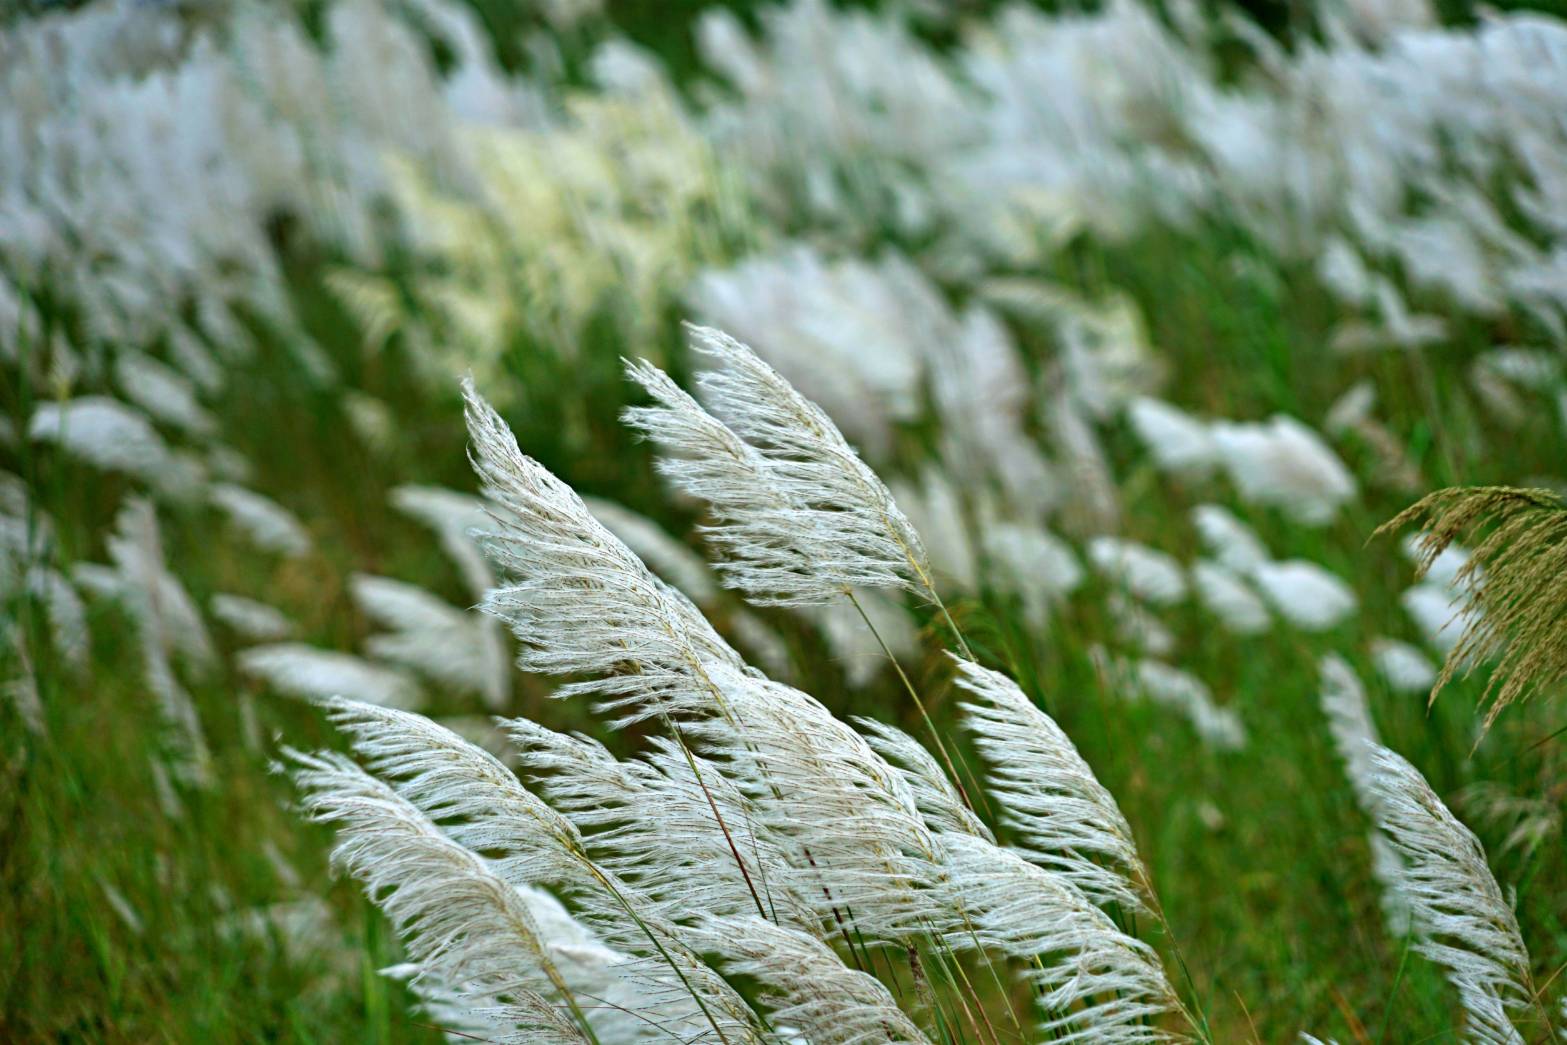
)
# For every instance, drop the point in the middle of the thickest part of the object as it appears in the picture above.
(799, 517)
(1062, 817)
(1306, 594)
(1146, 573)
(250, 619)
(1355, 737)
(462, 925)
(1465, 924)
(577, 599)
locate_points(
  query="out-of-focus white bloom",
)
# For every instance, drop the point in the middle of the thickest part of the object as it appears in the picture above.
(166, 395)
(314, 674)
(1229, 598)
(1095, 504)
(1343, 700)
(454, 517)
(935, 509)
(1305, 594)
(464, 649)
(1231, 542)
(1165, 684)
(1402, 666)
(1179, 442)
(1069, 102)
(846, 334)
(826, 99)
(167, 622)
(766, 647)
(1147, 573)
(371, 419)
(1438, 611)
(108, 434)
(62, 606)
(1107, 360)
(228, 464)
(1179, 690)
(1351, 409)
(1535, 369)
(269, 525)
(249, 618)
(1375, 20)
(1444, 569)
(1033, 564)
(1285, 464)
(1136, 625)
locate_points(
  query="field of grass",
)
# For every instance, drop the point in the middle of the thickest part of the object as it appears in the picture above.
(136, 906)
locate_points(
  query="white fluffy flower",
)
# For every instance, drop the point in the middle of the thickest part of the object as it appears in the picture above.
(1285, 464)
(1305, 594)
(1179, 442)
(108, 434)
(269, 525)
(249, 618)
(1404, 667)
(315, 674)
(1439, 613)
(1147, 573)
(1231, 542)
(1229, 598)
(1032, 563)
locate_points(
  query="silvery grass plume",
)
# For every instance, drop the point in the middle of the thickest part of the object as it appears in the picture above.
(1106, 986)
(1402, 666)
(681, 859)
(1063, 818)
(846, 832)
(462, 924)
(1144, 572)
(798, 517)
(480, 806)
(1305, 594)
(1218, 726)
(250, 619)
(898, 850)
(766, 807)
(1464, 923)
(110, 435)
(813, 996)
(455, 517)
(577, 599)
(1355, 737)
(1513, 587)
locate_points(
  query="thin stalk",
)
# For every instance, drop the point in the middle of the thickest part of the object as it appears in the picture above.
(919, 704)
(717, 816)
(647, 931)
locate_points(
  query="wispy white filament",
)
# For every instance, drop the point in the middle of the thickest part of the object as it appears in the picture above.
(1063, 818)
(1465, 924)
(799, 518)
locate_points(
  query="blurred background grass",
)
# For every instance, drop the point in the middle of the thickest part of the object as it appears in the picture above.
(118, 923)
